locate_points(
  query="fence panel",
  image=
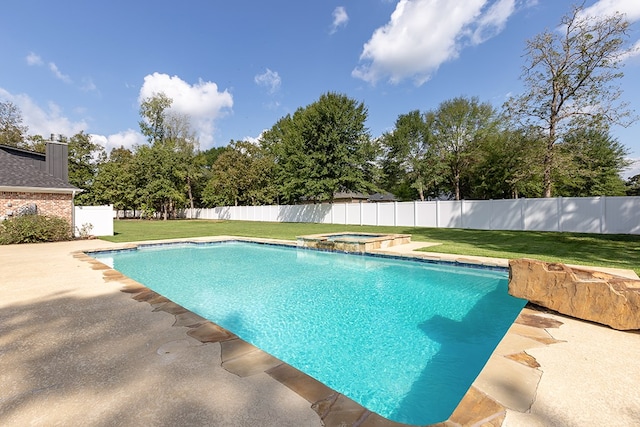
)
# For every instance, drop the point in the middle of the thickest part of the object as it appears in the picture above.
(477, 214)
(405, 214)
(507, 214)
(571, 214)
(93, 220)
(581, 214)
(369, 214)
(541, 215)
(386, 213)
(338, 213)
(449, 214)
(352, 214)
(622, 215)
(427, 214)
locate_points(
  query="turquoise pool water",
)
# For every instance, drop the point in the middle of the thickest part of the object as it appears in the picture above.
(403, 338)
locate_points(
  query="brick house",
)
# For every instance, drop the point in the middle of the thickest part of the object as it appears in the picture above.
(34, 181)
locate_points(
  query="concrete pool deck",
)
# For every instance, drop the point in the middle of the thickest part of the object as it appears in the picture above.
(75, 350)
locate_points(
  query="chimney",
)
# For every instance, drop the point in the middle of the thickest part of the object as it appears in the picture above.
(57, 158)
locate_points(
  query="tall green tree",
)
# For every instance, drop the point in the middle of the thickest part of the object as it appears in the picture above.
(180, 136)
(592, 162)
(633, 186)
(153, 111)
(241, 175)
(458, 125)
(507, 164)
(85, 156)
(411, 163)
(116, 181)
(168, 166)
(571, 77)
(323, 148)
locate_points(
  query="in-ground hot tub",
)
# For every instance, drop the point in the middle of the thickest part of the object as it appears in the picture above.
(352, 241)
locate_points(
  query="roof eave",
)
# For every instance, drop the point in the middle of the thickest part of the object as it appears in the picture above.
(16, 189)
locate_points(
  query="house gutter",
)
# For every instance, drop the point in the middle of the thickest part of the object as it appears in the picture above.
(16, 189)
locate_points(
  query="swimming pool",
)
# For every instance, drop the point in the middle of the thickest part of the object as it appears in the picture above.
(403, 338)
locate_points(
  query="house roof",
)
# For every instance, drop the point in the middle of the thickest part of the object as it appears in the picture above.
(382, 197)
(16, 174)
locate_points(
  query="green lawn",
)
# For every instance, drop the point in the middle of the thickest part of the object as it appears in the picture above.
(620, 251)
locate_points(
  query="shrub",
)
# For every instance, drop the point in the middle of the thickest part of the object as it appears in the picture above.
(34, 229)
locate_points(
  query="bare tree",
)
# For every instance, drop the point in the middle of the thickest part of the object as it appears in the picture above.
(12, 131)
(571, 78)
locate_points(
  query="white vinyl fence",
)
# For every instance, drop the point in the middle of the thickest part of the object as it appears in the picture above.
(603, 215)
(93, 221)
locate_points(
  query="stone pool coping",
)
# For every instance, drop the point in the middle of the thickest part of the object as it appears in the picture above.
(511, 389)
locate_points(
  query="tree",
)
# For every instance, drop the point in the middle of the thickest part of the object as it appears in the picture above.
(12, 131)
(570, 80)
(592, 162)
(633, 186)
(168, 165)
(324, 148)
(84, 158)
(457, 127)
(410, 162)
(507, 164)
(153, 113)
(242, 175)
(116, 180)
(184, 142)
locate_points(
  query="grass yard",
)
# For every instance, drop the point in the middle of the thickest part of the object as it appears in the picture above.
(619, 251)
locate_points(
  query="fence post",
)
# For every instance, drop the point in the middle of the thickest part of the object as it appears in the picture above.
(395, 214)
(415, 213)
(360, 212)
(560, 213)
(491, 207)
(437, 213)
(377, 213)
(603, 212)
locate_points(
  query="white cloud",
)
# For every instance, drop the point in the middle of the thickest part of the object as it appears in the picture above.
(43, 121)
(423, 34)
(88, 85)
(631, 8)
(632, 52)
(493, 21)
(58, 74)
(255, 140)
(127, 139)
(340, 19)
(33, 59)
(269, 79)
(201, 102)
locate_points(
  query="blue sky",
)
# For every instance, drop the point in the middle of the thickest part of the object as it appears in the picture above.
(236, 67)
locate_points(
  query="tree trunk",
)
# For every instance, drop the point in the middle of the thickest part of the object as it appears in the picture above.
(548, 156)
(548, 160)
(190, 193)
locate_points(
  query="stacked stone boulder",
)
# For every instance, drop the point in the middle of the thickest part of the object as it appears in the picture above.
(584, 294)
